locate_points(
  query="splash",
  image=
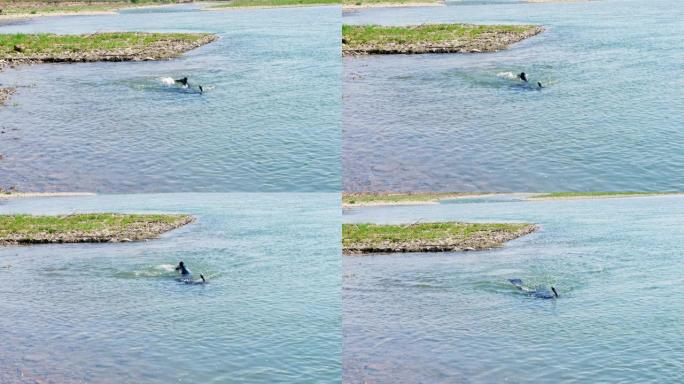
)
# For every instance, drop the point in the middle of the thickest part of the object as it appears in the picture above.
(167, 81)
(161, 270)
(507, 75)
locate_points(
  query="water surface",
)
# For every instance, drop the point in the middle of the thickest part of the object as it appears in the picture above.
(269, 120)
(114, 313)
(609, 117)
(453, 317)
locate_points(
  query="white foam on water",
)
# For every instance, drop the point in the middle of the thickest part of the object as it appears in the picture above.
(506, 75)
(167, 80)
(166, 267)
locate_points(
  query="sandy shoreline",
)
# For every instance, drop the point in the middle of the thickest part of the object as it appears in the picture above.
(626, 196)
(22, 195)
(214, 9)
(113, 11)
(19, 16)
(436, 200)
(557, 1)
(346, 7)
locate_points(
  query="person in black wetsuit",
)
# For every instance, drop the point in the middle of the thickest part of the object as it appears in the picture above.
(538, 293)
(183, 270)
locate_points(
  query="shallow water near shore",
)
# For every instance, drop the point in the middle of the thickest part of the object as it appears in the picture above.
(608, 117)
(114, 313)
(268, 121)
(454, 317)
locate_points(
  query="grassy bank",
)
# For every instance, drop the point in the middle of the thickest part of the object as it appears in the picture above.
(428, 237)
(41, 8)
(111, 46)
(274, 3)
(373, 198)
(85, 228)
(432, 38)
(594, 195)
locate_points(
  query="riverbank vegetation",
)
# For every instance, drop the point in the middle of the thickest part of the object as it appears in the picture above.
(109, 46)
(428, 237)
(594, 195)
(86, 228)
(432, 38)
(12, 8)
(379, 198)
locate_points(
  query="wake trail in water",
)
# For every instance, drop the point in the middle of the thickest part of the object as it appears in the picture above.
(167, 81)
(507, 75)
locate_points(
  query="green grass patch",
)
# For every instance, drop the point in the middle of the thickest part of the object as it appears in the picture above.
(39, 8)
(50, 44)
(89, 227)
(401, 198)
(275, 3)
(428, 33)
(428, 237)
(589, 195)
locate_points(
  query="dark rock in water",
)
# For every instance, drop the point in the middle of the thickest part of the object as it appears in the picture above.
(5, 94)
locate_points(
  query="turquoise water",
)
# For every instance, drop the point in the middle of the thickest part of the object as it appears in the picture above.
(113, 313)
(609, 118)
(269, 120)
(453, 317)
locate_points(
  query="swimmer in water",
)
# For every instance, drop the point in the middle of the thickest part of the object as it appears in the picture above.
(195, 282)
(201, 89)
(522, 76)
(539, 84)
(541, 294)
(183, 81)
(183, 271)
